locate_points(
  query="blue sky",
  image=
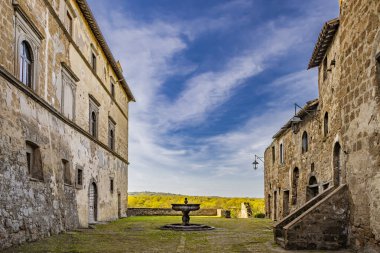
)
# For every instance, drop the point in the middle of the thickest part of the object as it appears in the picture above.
(214, 80)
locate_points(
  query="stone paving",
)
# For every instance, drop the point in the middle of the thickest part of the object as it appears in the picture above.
(142, 234)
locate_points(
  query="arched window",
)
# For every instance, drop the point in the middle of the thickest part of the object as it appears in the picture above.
(26, 64)
(296, 175)
(93, 124)
(337, 163)
(304, 142)
(326, 124)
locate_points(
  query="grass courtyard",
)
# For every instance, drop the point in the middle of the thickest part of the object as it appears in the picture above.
(141, 234)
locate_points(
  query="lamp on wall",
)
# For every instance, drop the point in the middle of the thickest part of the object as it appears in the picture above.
(295, 120)
(256, 163)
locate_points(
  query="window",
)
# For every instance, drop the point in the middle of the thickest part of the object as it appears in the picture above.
(281, 153)
(325, 68)
(111, 133)
(93, 117)
(112, 89)
(93, 61)
(79, 177)
(304, 142)
(68, 93)
(69, 23)
(326, 124)
(26, 64)
(111, 185)
(337, 164)
(34, 161)
(273, 154)
(27, 44)
(66, 172)
(94, 123)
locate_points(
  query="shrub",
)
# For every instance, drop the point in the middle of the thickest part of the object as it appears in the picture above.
(260, 215)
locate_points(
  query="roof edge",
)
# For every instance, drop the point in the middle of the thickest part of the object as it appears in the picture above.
(89, 16)
(324, 41)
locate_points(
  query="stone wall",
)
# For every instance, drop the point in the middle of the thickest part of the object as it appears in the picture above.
(349, 91)
(168, 212)
(31, 208)
(360, 99)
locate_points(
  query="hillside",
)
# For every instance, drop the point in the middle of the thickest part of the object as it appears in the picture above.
(164, 200)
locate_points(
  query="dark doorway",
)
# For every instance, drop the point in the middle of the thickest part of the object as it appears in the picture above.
(269, 214)
(275, 206)
(92, 203)
(296, 175)
(312, 188)
(337, 164)
(285, 203)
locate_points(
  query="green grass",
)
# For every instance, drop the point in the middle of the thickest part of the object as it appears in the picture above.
(142, 234)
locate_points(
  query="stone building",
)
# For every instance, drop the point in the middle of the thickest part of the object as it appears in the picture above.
(322, 170)
(63, 121)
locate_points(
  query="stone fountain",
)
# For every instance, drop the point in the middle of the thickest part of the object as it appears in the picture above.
(186, 208)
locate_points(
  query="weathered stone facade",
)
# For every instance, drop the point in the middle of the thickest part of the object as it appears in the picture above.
(343, 130)
(61, 166)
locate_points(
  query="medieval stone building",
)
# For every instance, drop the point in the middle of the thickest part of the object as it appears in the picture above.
(322, 170)
(63, 121)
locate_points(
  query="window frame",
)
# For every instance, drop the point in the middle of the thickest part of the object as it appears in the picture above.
(34, 161)
(111, 129)
(68, 79)
(27, 32)
(93, 110)
(304, 143)
(79, 176)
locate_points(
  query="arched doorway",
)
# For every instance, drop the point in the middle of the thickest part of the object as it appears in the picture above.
(92, 203)
(312, 188)
(295, 177)
(337, 164)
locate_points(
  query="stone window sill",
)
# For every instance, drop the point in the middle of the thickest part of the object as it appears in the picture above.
(35, 180)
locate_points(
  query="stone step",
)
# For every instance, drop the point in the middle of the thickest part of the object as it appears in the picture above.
(280, 241)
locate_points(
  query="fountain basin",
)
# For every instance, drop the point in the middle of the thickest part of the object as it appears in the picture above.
(190, 227)
(186, 207)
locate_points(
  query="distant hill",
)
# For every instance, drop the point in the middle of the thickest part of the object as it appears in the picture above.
(164, 200)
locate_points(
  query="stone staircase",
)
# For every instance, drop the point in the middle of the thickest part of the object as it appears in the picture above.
(321, 223)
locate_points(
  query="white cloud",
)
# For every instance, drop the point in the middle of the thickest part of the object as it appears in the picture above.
(217, 165)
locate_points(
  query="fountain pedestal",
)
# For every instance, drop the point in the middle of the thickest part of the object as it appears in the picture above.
(186, 226)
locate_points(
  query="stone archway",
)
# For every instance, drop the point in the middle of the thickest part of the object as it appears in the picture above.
(92, 203)
(337, 171)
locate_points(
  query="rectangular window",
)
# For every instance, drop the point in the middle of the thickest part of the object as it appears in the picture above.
(68, 90)
(325, 68)
(93, 61)
(93, 117)
(112, 89)
(273, 154)
(66, 172)
(79, 178)
(34, 161)
(281, 153)
(111, 185)
(111, 133)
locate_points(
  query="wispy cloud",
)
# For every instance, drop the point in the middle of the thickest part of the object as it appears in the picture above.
(164, 159)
